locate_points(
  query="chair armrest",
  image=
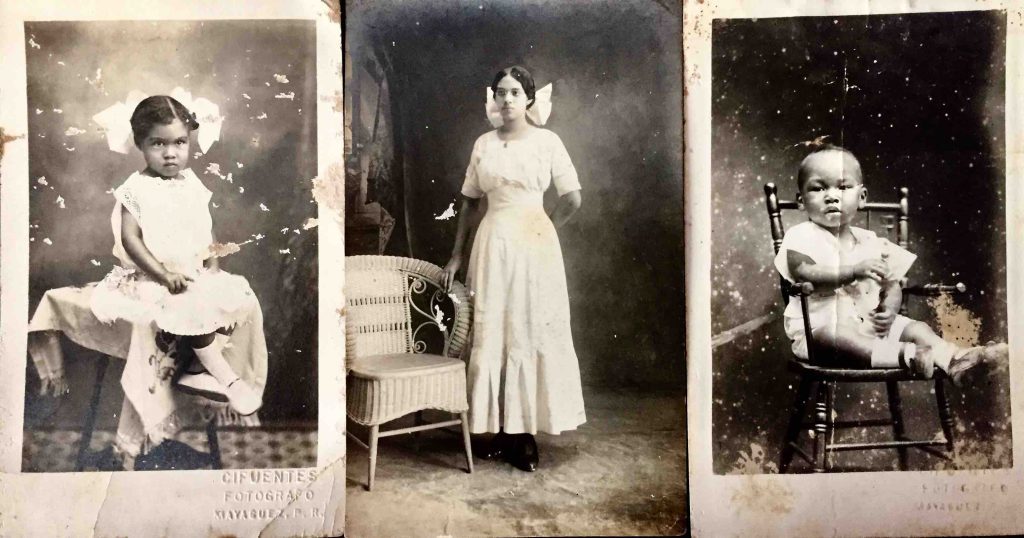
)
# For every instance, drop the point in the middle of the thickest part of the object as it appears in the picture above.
(931, 290)
(800, 288)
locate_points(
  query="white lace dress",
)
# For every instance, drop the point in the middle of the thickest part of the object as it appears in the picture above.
(524, 376)
(176, 227)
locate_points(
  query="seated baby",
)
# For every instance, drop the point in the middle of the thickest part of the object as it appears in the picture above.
(854, 310)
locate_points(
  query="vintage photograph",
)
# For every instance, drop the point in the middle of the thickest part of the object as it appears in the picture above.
(858, 271)
(173, 245)
(514, 270)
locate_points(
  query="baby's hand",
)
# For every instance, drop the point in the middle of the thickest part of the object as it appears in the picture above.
(175, 282)
(882, 322)
(873, 268)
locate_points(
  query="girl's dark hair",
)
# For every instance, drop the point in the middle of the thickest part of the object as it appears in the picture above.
(524, 77)
(159, 110)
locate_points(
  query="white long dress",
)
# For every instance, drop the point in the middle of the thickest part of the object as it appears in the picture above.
(524, 376)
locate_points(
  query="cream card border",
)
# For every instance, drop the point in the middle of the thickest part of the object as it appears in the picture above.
(876, 504)
(169, 503)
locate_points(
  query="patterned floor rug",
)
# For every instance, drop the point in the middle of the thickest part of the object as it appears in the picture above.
(251, 448)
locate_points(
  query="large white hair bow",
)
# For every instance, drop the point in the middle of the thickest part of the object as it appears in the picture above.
(116, 119)
(538, 113)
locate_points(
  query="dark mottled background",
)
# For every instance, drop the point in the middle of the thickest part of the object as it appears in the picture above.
(81, 68)
(922, 108)
(616, 72)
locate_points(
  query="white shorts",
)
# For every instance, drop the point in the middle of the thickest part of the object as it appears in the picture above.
(795, 331)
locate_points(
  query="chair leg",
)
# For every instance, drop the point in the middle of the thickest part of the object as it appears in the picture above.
(213, 444)
(820, 426)
(465, 439)
(796, 420)
(90, 414)
(374, 431)
(945, 413)
(830, 402)
(892, 389)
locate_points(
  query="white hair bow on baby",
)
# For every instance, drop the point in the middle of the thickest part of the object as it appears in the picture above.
(116, 119)
(538, 113)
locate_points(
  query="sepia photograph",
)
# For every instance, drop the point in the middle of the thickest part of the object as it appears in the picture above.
(172, 260)
(172, 346)
(514, 270)
(858, 242)
(852, 275)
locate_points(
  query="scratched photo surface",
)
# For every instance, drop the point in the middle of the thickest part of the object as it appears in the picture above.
(262, 77)
(416, 81)
(919, 99)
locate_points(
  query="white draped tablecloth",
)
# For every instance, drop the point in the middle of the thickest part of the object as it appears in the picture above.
(152, 411)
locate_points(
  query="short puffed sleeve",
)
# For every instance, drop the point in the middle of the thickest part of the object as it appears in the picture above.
(897, 258)
(128, 196)
(471, 185)
(563, 173)
(810, 240)
(201, 192)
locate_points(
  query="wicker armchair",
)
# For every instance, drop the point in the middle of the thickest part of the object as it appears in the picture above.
(390, 375)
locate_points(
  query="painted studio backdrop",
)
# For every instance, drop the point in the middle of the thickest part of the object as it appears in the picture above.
(417, 76)
(262, 75)
(417, 80)
(919, 100)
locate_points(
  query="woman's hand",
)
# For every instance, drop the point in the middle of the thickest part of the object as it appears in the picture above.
(882, 322)
(450, 270)
(175, 282)
(873, 268)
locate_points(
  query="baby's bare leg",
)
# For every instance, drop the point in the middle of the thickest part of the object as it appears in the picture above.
(921, 334)
(842, 346)
(940, 351)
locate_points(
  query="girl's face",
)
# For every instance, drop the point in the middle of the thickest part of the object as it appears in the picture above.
(834, 189)
(166, 149)
(510, 98)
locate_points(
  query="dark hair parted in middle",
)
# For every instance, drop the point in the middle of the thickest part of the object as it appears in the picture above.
(524, 77)
(159, 110)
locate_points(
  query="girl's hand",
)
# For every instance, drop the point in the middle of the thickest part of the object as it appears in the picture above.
(450, 270)
(882, 322)
(873, 268)
(175, 282)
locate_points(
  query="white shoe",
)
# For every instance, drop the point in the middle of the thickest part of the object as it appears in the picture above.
(204, 385)
(243, 398)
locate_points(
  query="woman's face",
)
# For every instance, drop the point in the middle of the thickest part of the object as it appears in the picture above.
(510, 98)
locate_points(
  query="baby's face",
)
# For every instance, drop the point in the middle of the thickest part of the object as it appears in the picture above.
(834, 189)
(166, 149)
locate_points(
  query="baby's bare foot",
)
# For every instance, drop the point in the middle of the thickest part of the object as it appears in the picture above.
(988, 357)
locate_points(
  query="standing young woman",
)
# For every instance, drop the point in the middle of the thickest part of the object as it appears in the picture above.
(523, 372)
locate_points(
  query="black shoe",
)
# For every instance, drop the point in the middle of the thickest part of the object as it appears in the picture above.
(523, 454)
(495, 449)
